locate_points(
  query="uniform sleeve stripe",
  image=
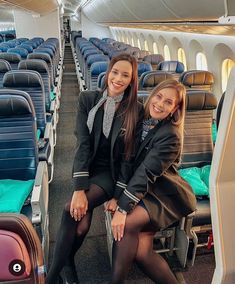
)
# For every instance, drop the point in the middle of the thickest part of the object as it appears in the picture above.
(131, 196)
(121, 183)
(80, 175)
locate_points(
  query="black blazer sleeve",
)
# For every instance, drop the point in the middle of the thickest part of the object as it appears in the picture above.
(81, 159)
(126, 168)
(164, 150)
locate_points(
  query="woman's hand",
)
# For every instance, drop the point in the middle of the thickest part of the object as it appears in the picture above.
(111, 205)
(79, 205)
(118, 225)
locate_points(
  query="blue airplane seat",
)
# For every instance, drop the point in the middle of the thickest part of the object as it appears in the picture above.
(150, 79)
(12, 58)
(19, 50)
(4, 67)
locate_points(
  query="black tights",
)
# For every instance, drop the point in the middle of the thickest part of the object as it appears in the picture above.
(73, 232)
(138, 245)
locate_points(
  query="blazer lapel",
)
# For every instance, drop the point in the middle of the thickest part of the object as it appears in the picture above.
(97, 128)
(117, 123)
(147, 139)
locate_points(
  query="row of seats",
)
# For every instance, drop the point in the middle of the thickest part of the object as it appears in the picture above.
(92, 54)
(37, 48)
(28, 116)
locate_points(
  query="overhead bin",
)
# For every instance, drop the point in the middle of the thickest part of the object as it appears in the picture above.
(106, 11)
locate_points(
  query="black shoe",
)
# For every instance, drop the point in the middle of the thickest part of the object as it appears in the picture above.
(69, 275)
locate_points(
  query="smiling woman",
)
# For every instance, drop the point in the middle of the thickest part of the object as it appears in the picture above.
(156, 196)
(119, 78)
(167, 99)
(103, 160)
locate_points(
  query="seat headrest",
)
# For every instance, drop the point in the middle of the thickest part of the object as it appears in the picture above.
(154, 78)
(38, 65)
(22, 79)
(14, 102)
(18, 50)
(153, 58)
(10, 57)
(36, 55)
(144, 67)
(26, 46)
(200, 100)
(142, 95)
(95, 58)
(98, 67)
(44, 50)
(4, 66)
(197, 77)
(171, 66)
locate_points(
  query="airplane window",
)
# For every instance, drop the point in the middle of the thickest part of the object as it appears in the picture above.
(138, 43)
(167, 55)
(146, 45)
(182, 57)
(155, 48)
(227, 65)
(201, 62)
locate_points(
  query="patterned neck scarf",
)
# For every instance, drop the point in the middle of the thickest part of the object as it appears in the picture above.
(148, 124)
(109, 112)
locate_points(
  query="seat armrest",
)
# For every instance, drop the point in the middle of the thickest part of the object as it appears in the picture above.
(39, 198)
(44, 148)
(53, 106)
(48, 134)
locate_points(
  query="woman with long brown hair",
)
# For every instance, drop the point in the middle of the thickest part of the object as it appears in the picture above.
(108, 121)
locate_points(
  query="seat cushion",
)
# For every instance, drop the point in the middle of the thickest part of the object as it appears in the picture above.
(13, 194)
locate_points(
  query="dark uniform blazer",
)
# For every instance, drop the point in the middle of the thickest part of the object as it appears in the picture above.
(87, 144)
(156, 180)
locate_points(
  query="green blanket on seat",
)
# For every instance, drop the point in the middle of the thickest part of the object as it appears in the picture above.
(198, 178)
(13, 194)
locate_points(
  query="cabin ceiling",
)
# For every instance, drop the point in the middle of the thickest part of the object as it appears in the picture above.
(199, 16)
(147, 11)
(31, 6)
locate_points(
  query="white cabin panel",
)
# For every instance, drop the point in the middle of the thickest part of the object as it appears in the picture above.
(30, 26)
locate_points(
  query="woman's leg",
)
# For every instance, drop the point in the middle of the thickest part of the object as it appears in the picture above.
(124, 251)
(69, 229)
(151, 263)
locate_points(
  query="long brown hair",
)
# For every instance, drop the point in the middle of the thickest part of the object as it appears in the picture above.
(129, 103)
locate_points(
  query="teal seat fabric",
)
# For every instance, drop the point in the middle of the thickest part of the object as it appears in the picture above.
(214, 132)
(13, 194)
(198, 178)
(38, 134)
(52, 96)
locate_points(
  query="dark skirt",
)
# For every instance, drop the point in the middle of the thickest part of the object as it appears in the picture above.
(162, 210)
(104, 180)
